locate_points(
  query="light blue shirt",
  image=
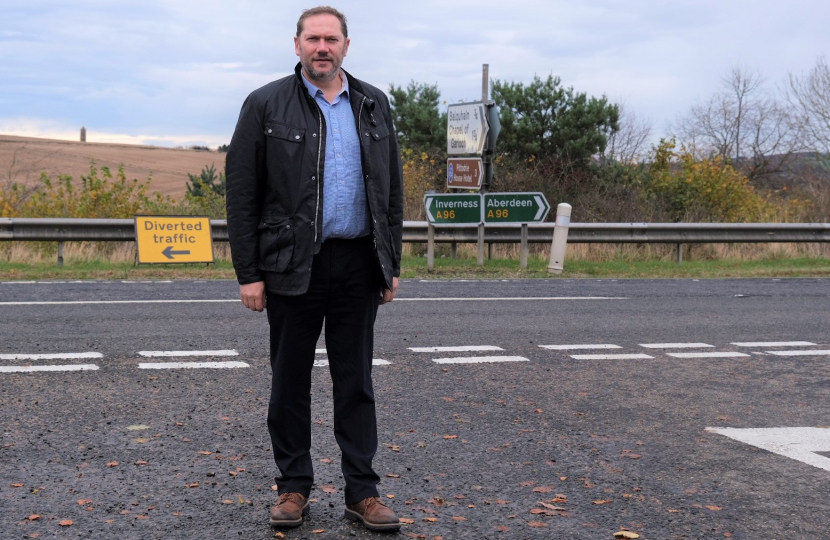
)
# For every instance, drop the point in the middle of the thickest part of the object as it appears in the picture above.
(345, 212)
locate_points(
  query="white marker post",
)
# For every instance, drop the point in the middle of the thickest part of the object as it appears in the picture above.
(560, 239)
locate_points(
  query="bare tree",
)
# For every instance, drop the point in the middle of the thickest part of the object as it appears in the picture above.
(628, 144)
(810, 95)
(743, 124)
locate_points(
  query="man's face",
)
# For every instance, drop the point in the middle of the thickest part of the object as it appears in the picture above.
(321, 47)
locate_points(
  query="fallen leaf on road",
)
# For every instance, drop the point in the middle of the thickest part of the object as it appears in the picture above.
(112, 464)
(227, 501)
(33, 517)
(628, 535)
(437, 501)
(673, 511)
(325, 460)
(205, 452)
(328, 489)
(527, 483)
(459, 518)
(602, 501)
(17, 485)
(450, 436)
(279, 534)
(550, 506)
(193, 485)
(390, 475)
(141, 462)
(65, 522)
(543, 489)
(537, 524)
(502, 528)
(318, 531)
(82, 502)
(713, 508)
(408, 521)
(560, 498)
(430, 519)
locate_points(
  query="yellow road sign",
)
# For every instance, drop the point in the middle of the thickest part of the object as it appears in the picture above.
(173, 239)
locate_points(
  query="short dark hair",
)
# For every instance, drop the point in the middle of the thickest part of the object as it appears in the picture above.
(322, 10)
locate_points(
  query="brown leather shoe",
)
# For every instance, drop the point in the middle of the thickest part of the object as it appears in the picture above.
(375, 515)
(289, 510)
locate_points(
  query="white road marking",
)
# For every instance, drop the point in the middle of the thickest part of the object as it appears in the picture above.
(479, 359)
(462, 348)
(321, 351)
(801, 353)
(611, 356)
(110, 302)
(52, 356)
(375, 362)
(707, 354)
(774, 344)
(675, 345)
(576, 347)
(236, 300)
(229, 352)
(504, 298)
(799, 443)
(27, 369)
(193, 365)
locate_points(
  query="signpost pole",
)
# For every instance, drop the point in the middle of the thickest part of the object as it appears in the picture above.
(523, 255)
(430, 246)
(485, 95)
(481, 244)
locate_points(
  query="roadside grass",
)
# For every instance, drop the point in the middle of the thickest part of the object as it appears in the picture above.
(414, 266)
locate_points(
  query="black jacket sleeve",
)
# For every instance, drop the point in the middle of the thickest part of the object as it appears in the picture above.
(245, 176)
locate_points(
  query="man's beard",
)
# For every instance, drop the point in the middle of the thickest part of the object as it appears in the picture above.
(322, 76)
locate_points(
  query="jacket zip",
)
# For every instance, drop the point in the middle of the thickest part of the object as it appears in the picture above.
(368, 204)
(319, 150)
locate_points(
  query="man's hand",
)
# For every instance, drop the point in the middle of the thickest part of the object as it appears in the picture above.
(387, 295)
(253, 295)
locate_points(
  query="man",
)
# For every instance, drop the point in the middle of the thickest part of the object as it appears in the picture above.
(315, 215)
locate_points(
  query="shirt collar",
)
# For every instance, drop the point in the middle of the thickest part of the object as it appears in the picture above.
(313, 90)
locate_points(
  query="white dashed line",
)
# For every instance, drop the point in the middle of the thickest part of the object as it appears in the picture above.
(774, 344)
(28, 369)
(578, 347)
(52, 356)
(229, 352)
(611, 357)
(193, 365)
(800, 353)
(675, 345)
(375, 362)
(479, 359)
(707, 355)
(505, 298)
(462, 348)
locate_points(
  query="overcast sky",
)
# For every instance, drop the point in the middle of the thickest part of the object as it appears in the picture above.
(175, 72)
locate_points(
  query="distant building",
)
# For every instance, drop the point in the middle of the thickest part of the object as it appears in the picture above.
(83, 134)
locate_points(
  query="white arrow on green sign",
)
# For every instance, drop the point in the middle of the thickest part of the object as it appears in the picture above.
(453, 208)
(527, 207)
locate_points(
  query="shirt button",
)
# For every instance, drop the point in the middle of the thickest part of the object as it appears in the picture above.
(296, 137)
(269, 131)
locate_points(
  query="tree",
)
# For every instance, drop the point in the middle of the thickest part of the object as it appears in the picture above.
(628, 143)
(543, 119)
(417, 120)
(207, 181)
(743, 125)
(810, 94)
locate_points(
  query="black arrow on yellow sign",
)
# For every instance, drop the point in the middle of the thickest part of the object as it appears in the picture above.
(170, 254)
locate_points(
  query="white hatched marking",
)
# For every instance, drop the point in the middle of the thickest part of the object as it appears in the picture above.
(150, 354)
(578, 347)
(462, 348)
(193, 365)
(800, 353)
(675, 345)
(611, 356)
(799, 443)
(53, 356)
(375, 362)
(27, 369)
(479, 359)
(774, 344)
(707, 354)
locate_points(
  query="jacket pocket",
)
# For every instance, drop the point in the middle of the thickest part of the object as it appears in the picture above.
(276, 243)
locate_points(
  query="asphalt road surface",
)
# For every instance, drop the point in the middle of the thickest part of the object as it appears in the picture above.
(515, 409)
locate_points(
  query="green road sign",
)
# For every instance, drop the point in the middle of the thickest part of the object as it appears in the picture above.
(458, 208)
(515, 207)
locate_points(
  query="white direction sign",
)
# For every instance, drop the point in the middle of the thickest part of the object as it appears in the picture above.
(800, 443)
(466, 128)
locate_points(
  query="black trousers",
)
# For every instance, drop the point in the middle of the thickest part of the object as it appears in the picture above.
(344, 294)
